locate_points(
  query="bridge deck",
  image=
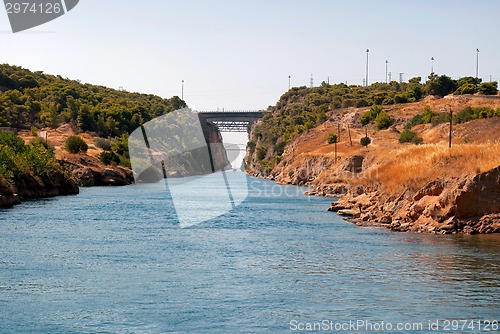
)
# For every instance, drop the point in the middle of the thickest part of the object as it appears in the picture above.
(232, 121)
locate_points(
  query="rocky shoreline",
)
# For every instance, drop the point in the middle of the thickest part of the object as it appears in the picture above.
(30, 188)
(468, 205)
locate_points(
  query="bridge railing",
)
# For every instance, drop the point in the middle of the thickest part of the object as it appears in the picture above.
(229, 111)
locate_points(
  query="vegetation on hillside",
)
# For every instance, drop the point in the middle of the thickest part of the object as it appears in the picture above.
(302, 108)
(33, 100)
(19, 162)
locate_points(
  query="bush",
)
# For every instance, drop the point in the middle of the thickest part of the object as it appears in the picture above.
(103, 144)
(365, 141)
(75, 144)
(383, 121)
(369, 116)
(366, 118)
(261, 152)
(416, 120)
(332, 138)
(417, 140)
(406, 136)
(109, 158)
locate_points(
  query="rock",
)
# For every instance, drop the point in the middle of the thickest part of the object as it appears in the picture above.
(448, 225)
(434, 188)
(349, 213)
(480, 195)
(354, 164)
(9, 200)
(385, 220)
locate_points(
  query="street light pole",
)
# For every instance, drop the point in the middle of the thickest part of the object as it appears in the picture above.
(289, 81)
(386, 62)
(182, 91)
(477, 63)
(367, 53)
(432, 65)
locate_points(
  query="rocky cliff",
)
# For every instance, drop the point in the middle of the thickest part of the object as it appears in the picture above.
(29, 187)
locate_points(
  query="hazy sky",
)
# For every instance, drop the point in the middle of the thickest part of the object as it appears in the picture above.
(238, 54)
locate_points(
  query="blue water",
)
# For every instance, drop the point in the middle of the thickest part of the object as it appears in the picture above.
(110, 260)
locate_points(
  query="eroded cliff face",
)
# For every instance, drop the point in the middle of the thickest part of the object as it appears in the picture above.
(29, 187)
(214, 138)
(468, 205)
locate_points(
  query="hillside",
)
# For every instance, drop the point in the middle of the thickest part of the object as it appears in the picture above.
(47, 109)
(403, 186)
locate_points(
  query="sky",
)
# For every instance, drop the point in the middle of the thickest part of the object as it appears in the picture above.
(238, 54)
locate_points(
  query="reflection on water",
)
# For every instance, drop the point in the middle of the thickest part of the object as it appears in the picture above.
(110, 260)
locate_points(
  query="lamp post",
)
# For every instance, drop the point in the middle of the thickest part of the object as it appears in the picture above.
(386, 62)
(432, 65)
(289, 82)
(477, 63)
(367, 53)
(182, 90)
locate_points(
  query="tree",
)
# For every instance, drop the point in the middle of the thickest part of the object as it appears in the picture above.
(489, 88)
(467, 88)
(440, 85)
(333, 139)
(75, 144)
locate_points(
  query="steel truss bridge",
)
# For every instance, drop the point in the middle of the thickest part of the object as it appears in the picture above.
(233, 120)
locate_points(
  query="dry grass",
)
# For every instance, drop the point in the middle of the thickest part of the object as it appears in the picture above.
(412, 167)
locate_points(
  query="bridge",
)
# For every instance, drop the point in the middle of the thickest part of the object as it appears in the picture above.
(233, 120)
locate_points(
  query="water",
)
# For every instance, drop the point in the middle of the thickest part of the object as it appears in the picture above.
(110, 261)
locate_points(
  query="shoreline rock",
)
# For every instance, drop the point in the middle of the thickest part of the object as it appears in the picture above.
(468, 205)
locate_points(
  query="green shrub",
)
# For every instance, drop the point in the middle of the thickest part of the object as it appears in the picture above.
(75, 144)
(332, 138)
(369, 116)
(109, 158)
(406, 136)
(365, 141)
(125, 162)
(261, 152)
(383, 121)
(366, 118)
(416, 120)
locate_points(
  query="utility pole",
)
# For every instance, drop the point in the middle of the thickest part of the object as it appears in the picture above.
(289, 81)
(386, 62)
(401, 77)
(182, 90)
(451, 124)
(367, 54)
(432, 65)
